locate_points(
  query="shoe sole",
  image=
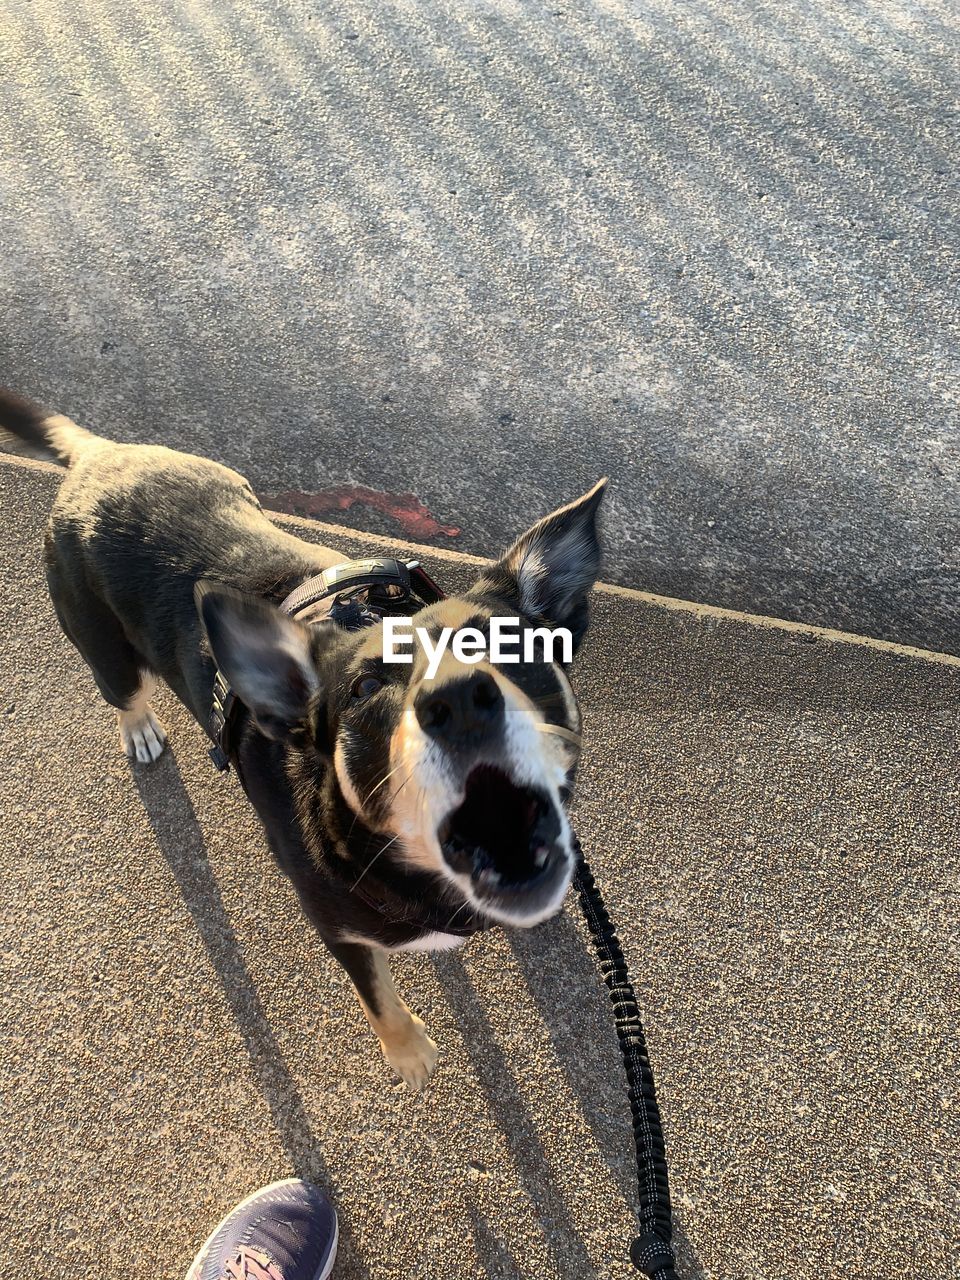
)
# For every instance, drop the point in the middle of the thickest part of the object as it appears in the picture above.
(193, 1272)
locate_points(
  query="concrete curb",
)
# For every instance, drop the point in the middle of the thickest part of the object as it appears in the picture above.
(697, 608)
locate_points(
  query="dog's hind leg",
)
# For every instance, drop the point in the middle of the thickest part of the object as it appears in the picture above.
(121, 674)
(403, 1037)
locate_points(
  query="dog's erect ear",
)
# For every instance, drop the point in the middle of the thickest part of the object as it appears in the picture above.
(550, 569)
(264, 656)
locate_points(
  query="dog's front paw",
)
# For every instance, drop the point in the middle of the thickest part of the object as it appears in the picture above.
(142, 736)
(412, 1054)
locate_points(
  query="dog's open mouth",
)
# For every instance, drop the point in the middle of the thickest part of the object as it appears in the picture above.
(503, 836)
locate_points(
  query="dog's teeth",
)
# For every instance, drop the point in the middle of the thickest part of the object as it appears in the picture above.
(541, 855)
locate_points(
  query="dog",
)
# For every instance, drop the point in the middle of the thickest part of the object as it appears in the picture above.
(409, 812)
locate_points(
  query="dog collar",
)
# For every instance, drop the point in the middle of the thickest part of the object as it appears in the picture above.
(418, 915)
(361, 593)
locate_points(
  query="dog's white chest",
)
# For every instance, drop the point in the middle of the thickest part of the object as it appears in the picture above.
(434, 942)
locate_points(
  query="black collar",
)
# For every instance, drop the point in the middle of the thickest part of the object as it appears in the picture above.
(461, 923)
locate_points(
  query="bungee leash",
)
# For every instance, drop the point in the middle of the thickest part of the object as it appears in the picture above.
(652, 1251)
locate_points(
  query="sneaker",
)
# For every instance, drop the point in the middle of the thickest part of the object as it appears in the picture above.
(287, 1231)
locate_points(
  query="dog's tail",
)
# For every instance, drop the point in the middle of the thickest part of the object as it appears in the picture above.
(37, 433)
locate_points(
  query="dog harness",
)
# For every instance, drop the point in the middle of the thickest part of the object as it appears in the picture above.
(363, 592)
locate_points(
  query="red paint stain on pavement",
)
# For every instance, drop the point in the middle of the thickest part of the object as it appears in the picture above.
(406, 508)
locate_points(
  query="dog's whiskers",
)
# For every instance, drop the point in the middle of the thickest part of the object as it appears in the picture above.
(406, 779)
(422, 811)
(456, 913)
(567, 734)
(386, 778)
(372, 861)
(548, 700)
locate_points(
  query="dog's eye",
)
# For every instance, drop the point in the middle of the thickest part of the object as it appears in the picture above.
(365, 686)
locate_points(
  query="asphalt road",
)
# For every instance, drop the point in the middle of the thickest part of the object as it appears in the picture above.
(436, 267)
(774, 818)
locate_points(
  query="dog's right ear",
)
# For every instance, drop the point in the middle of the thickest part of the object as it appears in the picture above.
(264, 656)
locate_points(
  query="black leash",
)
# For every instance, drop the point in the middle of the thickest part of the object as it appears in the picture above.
(359, 593)
(651, 1252)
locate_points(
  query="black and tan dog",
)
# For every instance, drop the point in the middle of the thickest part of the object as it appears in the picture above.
(407, 811)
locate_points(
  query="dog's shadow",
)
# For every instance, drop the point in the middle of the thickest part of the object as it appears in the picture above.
(180, 839)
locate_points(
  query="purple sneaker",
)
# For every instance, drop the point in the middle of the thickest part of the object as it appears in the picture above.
(287, 1231)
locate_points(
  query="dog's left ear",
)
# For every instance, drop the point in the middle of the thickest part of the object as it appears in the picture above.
(265, 657)
(550, 569)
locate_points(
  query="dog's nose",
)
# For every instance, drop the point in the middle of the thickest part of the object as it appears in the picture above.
(461, 708)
